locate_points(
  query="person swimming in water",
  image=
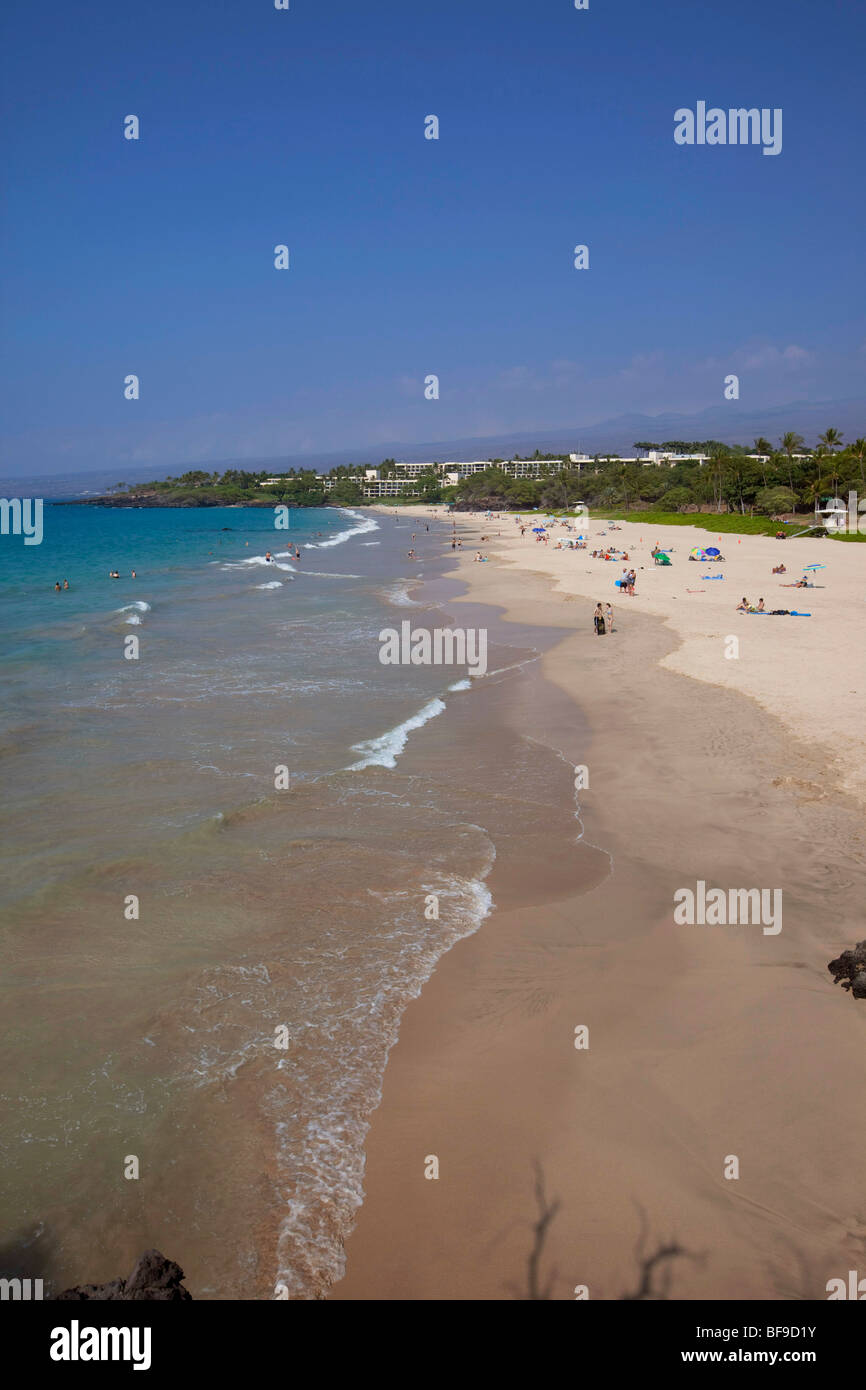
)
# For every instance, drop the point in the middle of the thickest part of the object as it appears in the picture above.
(57, 587)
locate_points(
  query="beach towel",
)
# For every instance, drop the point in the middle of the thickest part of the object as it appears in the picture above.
(712, 576)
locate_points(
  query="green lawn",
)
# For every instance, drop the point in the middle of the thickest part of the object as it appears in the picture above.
(723, 523)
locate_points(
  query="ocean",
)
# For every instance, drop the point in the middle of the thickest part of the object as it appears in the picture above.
(229, 864)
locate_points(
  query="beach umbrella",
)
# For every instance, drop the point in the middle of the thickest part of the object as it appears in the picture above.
(816, 567)
(711, 550)
(537, 528)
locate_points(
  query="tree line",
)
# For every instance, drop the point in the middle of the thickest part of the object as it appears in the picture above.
(777, 482)
(780, 481)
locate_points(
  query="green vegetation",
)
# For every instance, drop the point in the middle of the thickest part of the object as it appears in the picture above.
(239, 487)
(731, 491)
(296, 488)
(729, 487)
(723, 523)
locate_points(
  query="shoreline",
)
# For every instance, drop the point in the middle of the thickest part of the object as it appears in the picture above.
(829, 712)
(704, 1042)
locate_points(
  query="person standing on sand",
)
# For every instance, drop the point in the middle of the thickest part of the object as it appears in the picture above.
(608, 614)
(598, 620)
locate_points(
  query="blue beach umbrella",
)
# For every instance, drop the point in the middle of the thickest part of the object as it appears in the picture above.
(538, 528)
(711, 550)
(816, 567)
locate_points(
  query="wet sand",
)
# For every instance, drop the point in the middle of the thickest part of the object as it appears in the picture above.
(705, 1042)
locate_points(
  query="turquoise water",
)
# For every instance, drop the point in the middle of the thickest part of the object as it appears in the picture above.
(154, 779)
(167, 907)
(169, 549)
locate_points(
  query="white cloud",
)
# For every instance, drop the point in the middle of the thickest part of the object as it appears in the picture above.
(770, 356)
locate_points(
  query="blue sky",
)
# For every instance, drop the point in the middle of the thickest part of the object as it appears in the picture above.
(410, 256)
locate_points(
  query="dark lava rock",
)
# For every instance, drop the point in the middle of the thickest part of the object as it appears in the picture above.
(154, 1277)
(849, 970)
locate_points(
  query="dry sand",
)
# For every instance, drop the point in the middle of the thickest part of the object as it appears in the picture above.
(704, 1042)
(811, 672)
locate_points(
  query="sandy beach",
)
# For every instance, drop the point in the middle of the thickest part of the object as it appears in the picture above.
(713, 1109)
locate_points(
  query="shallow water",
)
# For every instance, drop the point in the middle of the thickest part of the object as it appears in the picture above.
(306, 910)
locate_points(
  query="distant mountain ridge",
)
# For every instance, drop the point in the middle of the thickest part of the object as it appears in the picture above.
(731, 423)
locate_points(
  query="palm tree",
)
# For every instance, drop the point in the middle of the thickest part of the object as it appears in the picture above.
(828, 442)
(764, 447)
(791, 443)
(831, 439)
(858, 449)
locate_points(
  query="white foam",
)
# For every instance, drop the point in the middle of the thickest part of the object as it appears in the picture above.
(398, 594)
(461, 685)
(134, 609)
(274, 584)
(367, 523)
(323, 574)
(386, 749)
(256, 560)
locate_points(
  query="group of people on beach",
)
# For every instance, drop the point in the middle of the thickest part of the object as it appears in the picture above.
(745, 607)
(603, 619)
(608, 554)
